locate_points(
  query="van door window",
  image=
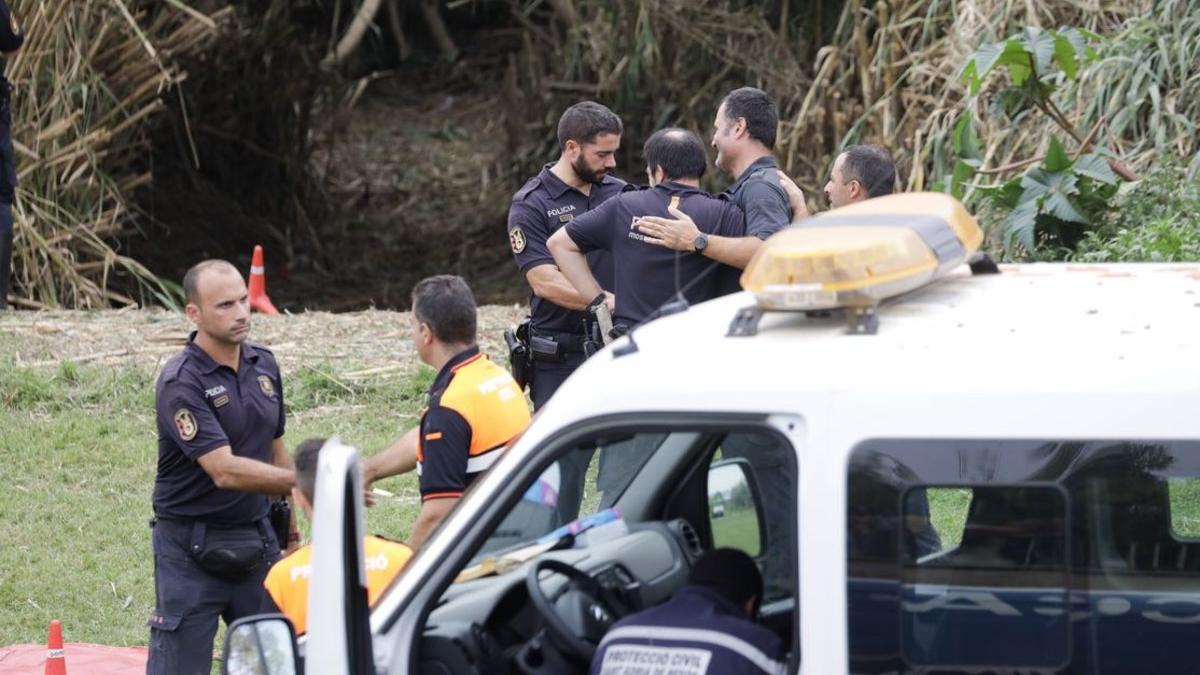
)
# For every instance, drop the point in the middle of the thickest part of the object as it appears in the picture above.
(1061, 555)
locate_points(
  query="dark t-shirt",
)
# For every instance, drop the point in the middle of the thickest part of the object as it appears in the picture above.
(538, 209)
(201, 406)
(644, 274)
(759, 195)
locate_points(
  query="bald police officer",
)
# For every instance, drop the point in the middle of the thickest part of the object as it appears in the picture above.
(220, 414)
(645, 274)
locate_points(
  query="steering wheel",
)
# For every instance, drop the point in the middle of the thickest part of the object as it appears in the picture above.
(593, 613)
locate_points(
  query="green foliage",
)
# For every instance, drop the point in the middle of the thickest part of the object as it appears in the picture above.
(1156, 219)
(1055, 201)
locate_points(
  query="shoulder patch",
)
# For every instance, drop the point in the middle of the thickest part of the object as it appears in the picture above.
(516, 239)
(185, 424)
(530, 185)
(267, 386)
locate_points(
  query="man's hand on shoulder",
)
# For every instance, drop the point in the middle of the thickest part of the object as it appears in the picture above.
(795, 197)
(678, 234)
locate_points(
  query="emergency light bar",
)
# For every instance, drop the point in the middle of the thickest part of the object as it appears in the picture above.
(858, 255)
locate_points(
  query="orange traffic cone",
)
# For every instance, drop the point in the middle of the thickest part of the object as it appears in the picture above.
(56, 660)
(258, 284)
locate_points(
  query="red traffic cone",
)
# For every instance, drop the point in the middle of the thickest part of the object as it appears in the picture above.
(258, 284)
(56, 660)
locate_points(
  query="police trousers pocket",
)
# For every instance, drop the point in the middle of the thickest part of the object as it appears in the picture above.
(233, 555)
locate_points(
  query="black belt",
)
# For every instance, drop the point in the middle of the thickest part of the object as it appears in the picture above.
(250, 525)
(569, 343)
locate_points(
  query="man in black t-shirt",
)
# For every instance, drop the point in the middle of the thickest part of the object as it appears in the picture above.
(646, 275)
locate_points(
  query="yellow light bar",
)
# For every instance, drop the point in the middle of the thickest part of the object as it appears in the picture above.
(860, 254)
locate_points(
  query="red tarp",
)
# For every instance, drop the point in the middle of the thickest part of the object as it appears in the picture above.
(82, 659)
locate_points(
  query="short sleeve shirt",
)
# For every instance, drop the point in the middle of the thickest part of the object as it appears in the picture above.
(200, 406)
(538, 209)
(475, 410)
(644, 274)
(759, 195)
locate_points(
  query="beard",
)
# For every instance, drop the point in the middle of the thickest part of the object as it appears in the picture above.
(585, 173)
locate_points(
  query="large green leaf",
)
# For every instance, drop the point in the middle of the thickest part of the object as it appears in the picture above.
(966, 142)
(1017, 59)
(1056, 157)
(1040, 43)
(1065, 55)
(980, 64)
(1020, 225)
(1095, 167)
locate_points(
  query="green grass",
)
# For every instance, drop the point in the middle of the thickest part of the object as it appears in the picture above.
(77, 462)
(948, 511)
(739, 529)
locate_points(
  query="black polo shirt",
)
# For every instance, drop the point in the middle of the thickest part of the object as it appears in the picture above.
(200, 406)
(644, 273)
(759, 195)
(538, 209)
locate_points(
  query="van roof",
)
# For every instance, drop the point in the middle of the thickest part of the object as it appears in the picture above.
(1053, 327)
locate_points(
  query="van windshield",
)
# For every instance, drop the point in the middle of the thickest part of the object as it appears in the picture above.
(575, 493)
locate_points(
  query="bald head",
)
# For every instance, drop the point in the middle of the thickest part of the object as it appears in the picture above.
(678, 153)
(191, 280)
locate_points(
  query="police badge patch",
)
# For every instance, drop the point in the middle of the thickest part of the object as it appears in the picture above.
(268, 387)
(516, 238)
(185, 424)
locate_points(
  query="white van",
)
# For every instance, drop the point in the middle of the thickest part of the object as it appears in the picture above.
(999, 474)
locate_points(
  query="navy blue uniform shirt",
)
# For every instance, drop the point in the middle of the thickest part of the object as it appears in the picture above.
(696, 632)
(201, 406)
(538, 209)
(11, 39)
(644, 273)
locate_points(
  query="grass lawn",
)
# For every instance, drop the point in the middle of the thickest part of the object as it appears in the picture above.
(77, 460)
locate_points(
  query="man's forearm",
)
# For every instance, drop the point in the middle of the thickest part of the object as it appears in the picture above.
(574, 266)
(400, 457)
(733, 251)
(248, 475)
(549, 283)
(432, 514)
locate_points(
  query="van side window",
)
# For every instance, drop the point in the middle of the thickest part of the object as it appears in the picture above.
(1072, 556)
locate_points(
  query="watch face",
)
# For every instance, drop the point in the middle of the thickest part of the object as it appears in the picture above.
(700, 243)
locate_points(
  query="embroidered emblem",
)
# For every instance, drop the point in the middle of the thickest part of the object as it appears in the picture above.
(268, 387)
(566, 218)
(185, 424)
(516, 238)
(220, 400)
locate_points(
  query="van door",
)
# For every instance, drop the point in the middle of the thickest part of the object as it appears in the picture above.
(1070, 556)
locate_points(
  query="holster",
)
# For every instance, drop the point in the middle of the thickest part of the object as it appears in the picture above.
(280, 516)
(520, 361)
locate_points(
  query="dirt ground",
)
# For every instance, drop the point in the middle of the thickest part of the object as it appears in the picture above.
(370, 343)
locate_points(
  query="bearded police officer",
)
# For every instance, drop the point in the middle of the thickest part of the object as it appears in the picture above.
(11, 39)
(219, 407)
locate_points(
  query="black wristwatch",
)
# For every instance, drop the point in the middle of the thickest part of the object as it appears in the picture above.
(700, 243)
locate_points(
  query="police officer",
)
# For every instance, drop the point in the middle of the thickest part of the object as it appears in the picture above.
(11, 39)
(220, 414)
(707, 627)
(645, 275)
(860, 173)
(589, 135)
(475, 408)
(288, 581)
(744, 136)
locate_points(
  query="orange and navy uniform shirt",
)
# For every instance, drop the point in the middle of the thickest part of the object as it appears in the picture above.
(287, 582)
(475, 409)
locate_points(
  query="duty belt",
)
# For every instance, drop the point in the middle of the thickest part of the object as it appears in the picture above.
(553, 346)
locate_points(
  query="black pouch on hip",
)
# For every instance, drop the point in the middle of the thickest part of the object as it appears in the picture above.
(232, 554)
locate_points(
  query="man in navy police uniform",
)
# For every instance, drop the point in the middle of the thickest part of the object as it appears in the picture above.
(707, 627)
(589, 135)
(220, 414)
(645, 274)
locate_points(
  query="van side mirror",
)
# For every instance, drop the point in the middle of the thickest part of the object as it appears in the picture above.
(734, 508)
(264, 644)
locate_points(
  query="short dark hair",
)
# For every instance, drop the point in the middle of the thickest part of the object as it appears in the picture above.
(759, 111)
(730, 573)
(586, 120)
(679, 152)
(445, 304)
(191, 280)
(872, 167)
(305, 458)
